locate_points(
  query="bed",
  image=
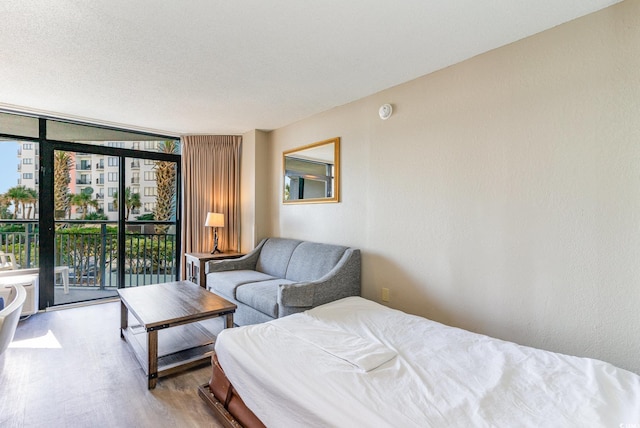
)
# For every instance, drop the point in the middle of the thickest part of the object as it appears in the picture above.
(354, 362)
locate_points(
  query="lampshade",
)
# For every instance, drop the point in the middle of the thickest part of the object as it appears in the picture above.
(214, 220)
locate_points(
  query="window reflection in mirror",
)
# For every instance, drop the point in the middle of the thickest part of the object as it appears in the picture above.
(311, 173)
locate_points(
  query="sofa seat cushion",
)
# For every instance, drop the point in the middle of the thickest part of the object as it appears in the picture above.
(262, 296)
(226, 283)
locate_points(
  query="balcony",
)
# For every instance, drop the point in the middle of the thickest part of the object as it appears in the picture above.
(90, 250)
(100, 165)
(83, 167)
(135, 164)
(135, 180)
(99, 180)
(85, 181)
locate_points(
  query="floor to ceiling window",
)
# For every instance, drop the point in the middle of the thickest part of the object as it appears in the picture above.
(106, 209)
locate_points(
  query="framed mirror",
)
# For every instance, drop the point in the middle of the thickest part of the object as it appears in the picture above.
(311, 174)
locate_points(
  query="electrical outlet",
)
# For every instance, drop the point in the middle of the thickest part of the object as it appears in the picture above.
(385, 294)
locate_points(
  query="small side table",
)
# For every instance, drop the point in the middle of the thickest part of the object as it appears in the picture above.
(195, 265)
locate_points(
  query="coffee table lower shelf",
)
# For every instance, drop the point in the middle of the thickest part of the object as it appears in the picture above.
(179, 348)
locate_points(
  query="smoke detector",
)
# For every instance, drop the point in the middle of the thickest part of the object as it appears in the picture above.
(385, 111)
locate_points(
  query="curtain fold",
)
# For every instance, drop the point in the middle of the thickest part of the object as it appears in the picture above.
(210, 183)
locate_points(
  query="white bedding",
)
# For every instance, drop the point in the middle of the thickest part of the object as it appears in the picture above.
(435, 376)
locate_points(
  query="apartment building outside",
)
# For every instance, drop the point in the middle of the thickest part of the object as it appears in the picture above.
(100, 173)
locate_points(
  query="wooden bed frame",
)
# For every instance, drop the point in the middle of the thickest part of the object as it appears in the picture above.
(222, 415)
(222, 398)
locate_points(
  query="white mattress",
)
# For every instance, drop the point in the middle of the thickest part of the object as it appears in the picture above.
(440, 376)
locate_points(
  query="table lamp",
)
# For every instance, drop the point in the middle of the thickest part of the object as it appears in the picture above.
(215, 220)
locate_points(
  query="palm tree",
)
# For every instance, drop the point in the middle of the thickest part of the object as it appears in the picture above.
(131, 200)
(18, 195)
(83, 200)
(62, 164)
(166, 186)
(32, 201)
(5, 203)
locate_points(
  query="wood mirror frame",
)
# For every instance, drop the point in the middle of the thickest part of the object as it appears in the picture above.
(311, 173)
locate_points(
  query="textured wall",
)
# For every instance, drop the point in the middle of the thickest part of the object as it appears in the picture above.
(503, 195)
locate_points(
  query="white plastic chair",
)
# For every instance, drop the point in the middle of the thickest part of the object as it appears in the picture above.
(10, 315)
(7, 261)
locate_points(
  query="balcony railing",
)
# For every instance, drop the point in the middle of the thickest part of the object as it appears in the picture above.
(83, 181)
(89, 249)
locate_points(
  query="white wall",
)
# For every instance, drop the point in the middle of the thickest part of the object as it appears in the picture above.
(503, 195)
(254, 189)
(248, 192)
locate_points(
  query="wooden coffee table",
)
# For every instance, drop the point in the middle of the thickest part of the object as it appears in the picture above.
(174, 308)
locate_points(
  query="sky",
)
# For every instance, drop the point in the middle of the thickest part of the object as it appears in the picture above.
(8, 165)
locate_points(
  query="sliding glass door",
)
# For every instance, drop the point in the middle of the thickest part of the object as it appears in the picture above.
(85, 240)
(150, 218)
(104, 195)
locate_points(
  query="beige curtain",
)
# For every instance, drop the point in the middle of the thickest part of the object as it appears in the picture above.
(211, 183)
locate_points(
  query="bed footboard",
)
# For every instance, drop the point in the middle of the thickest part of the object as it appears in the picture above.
(221, 414)
(226, 404)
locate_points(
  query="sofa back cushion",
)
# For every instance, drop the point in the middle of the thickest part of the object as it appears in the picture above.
(311, 261)
(275, 255)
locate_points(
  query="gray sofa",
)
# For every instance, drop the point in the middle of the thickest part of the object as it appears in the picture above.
(284, 276)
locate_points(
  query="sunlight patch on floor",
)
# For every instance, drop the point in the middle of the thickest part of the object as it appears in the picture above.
(48, 341)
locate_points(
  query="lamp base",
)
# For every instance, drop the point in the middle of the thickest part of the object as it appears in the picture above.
(215, 242)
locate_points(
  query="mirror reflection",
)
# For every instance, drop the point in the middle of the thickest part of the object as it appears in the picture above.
(311, 173)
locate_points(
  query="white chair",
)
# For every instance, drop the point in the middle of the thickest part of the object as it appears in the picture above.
(7, 261)
(10, 315)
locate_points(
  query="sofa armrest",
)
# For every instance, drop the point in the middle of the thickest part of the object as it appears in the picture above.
(246, 262)
(230, 264)
(342, 281)
(297, 295)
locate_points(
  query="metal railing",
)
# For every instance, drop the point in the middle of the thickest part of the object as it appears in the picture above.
(89, 249)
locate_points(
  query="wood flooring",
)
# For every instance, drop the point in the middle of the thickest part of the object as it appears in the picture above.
(70, 368)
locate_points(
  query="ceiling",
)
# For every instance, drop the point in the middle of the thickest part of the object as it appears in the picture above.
(227, 67)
